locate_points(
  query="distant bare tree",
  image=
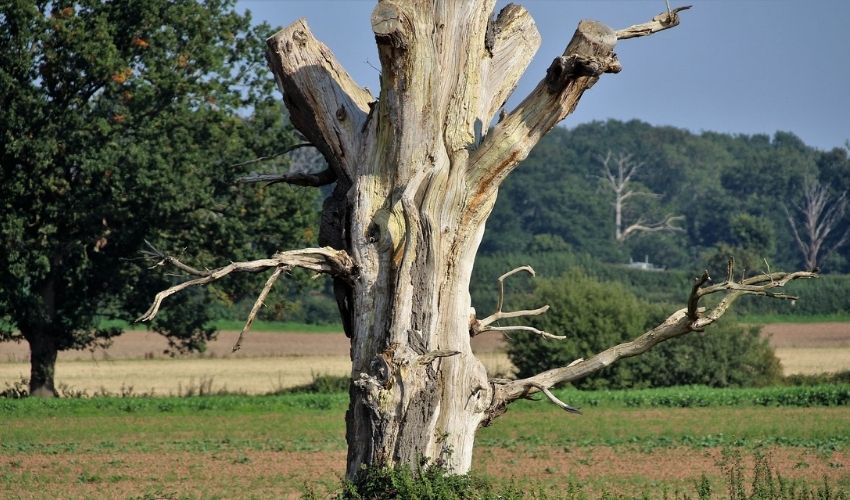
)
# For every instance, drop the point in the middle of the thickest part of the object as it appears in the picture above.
(814, 219)
(618, 172)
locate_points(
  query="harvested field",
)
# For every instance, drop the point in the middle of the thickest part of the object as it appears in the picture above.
(267, 362)
(810, 348)
(816, 335)
(270, 361)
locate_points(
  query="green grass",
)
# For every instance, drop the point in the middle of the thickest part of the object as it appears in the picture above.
(221, 405)
(307, 422)
(763, 319)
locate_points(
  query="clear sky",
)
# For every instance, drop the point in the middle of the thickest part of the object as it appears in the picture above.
(737, 66)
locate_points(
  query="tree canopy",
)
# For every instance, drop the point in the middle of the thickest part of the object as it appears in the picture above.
(121, 122)
(731, 189)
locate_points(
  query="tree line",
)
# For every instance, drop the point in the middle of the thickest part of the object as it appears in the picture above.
(753, 196)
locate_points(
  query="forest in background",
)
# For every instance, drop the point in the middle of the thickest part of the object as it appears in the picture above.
(731, 195)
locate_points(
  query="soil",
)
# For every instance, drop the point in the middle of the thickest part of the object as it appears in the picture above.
(816, 335)
(286, 474)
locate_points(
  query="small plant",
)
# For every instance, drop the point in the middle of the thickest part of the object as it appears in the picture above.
(767, 484)
(703, 487)
(403, 482)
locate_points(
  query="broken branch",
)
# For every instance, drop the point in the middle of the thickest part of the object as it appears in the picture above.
(589, 54)
(661, 22)
(324, 102)
(259, 303)
(308, 179)
(323, 260)
(483, 325)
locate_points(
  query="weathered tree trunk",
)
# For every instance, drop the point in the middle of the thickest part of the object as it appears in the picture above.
(424, 173)
(417, 171)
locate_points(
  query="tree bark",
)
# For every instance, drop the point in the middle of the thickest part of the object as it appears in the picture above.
(43, 352)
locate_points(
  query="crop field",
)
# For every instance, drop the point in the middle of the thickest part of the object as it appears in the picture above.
(270, 361)
(245, 445)
(285, 446)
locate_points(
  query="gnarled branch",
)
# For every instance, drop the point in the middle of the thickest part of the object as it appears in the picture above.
(668, 224)
(308, 179)
(478, 326)
(691, 318)
(322, 260)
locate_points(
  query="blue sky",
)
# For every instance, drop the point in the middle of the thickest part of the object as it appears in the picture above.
(737, 66)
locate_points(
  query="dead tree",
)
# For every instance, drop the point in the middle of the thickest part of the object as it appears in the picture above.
(417, 171)
(619, 176)
(820, 215)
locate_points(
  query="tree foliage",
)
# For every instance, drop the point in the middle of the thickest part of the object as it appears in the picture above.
(119, 123)
(731, 189)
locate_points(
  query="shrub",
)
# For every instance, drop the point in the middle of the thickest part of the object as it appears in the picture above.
(594, 316)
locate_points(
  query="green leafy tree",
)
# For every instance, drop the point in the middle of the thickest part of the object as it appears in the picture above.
(118, 123)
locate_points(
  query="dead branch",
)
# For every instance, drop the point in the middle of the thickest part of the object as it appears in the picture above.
(322, 260)
(661, 22)
(668, 224)
(307, 179)
(273, 156)
(484, 325)
(324, 102)
(259, 303)
(691, 318)
(432, 355)
(554, 399)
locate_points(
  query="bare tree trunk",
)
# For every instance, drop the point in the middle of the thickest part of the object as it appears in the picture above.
(619, 181)
(820, 214)
(417, 173)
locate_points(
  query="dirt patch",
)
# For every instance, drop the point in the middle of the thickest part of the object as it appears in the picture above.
(271, 474)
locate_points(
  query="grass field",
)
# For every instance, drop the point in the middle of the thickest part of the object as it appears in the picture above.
(279, 446)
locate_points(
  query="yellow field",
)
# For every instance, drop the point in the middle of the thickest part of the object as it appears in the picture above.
(178, 376)
(273, 361)
(811, 360)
